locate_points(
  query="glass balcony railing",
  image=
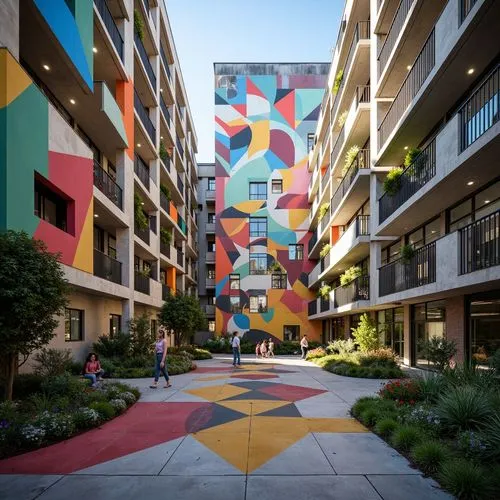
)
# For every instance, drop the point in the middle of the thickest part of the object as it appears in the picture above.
(145, 60)
(109, 22)
(107, 185)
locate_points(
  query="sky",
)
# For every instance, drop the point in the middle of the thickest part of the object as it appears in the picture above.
(208, 31)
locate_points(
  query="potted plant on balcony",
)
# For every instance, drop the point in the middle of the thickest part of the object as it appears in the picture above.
(276, 267)
(324, 291)
(392, 181)
(407, 252)
(163, 151)
(350, 275)
(138, 25)
(338, 81)
(145, 271)
(141, 221)
(342, 118)
(323, 210)
(416, 160)
(164, 189)
(165, 236)
(349, 158)
(325, 250)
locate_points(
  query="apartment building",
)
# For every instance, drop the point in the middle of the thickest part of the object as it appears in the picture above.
(264, 114)
(97, 155)
(206, 238)
(405, 184)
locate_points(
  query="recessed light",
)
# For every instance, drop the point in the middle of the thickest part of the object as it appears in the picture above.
(486, 201)
(433, 231)
(142, 203)
(408, 67)
(470, 71)
(161, 137)
(72, 101)
(96, 215)
(161, 90)
(94, 50)
(470, 183)
(138, 144)
(46, 67)
(405, 148)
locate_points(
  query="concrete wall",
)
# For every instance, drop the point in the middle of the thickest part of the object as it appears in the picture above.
(9, 26)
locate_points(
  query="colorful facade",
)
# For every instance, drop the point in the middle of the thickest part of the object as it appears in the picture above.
(263, 116)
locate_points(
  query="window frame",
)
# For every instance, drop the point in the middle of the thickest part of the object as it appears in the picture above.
(296, 246)
(280, 279)
(259, 256)
(259, 232)
(211, 184)
(297, 327)
(211, 218)
(233, 278)
(234, 309)
(257, 195)
(259, 310)
(111, 318)
(279, 184)
(81, 322)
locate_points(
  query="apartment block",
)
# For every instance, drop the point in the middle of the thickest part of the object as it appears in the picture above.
(405, 184)
(97, 155)
(264, 115)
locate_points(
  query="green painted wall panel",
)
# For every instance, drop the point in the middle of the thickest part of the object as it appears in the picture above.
(111, 108)
(84, 18)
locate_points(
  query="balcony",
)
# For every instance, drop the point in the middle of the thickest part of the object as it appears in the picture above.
(210, 257)
(210, 309)
(210, 195)
(106, 184)
(313, 277)
(165, 291)
(143, 234)
(402, 275)
(312, 242)
(180, 258)
(165, 62)
(312, 307)
(210, 282)
(164, 202)
(357, 290)
(180, 149)
(165, 249)
(141, 283)
(109, 23)
(145, 60)
(182, 224)
(107, 268)
(324, 304)
(210, 228)
(164, 110)
(141, 170)
(180, 185)
(465, 7)
(326, 178)
(144, 117)
(479, 244)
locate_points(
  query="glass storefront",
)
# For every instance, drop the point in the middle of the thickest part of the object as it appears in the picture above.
(390, 326)
(428, 320)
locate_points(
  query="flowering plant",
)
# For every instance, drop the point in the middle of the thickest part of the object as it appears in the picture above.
(31, 434)
(401, 391)
(422, 415)
(55, 425)
(118, 404)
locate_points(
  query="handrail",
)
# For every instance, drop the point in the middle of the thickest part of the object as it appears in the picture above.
(145, 60)
(106, 184)
(144, 116)
(109, 23)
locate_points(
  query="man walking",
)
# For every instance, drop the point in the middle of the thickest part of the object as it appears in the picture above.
(236, 349)
(304, 346)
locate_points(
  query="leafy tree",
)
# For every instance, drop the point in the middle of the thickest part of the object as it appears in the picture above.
(141, 336)
(439, 351)
(366, 335)
(32, 294)
(182, 315)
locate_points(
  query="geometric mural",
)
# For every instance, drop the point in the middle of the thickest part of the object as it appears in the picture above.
(261, 128)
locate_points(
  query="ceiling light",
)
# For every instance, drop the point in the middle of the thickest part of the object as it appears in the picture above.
(470, 183)
(72, 101)
(161, 90)
(486, 201)
(96, 215)
(406, 147)
(470, 71)
(94, 50)
(138, 144)
(433, 231)
(408, 67)
(161, 137)
(46, 67)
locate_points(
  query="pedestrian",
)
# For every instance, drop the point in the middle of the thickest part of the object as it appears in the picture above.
(92, 369)
(304, 344)
(271, 348)
(160, 361)
(263, 349)
(235, 343)
(257, 350)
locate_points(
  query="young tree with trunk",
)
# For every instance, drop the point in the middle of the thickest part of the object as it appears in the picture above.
(33, 293)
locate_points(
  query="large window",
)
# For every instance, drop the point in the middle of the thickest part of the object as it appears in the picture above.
(73, 325)
(258, 263)
(258, 303)
(484, 326)
(211, 218)
(258, 226)
(234, 302)
(296, 252)
(278, 280)
(391, 253)
(425, 234)
(390, 327)
(115, 324)
(211, 183)
(234, 281)
(258, 191)
(338, 328)
(291, 332)
(50, 206)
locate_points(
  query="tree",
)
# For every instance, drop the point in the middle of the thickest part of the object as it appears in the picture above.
(366, 335)
(141, 336)
(33, 293)
(182, 315)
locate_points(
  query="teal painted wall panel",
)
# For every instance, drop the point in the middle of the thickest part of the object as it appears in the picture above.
(111, 108)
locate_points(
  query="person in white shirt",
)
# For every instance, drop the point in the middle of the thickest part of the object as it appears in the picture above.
(270, 347)
(235, 343)
(304, 346)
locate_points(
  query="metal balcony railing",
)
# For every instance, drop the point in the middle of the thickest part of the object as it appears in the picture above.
(312, 307)
(165, 62)
(109, 22)
(180, 185)
(179, 147)
(164, 109)
(145, 60)
(362, 95)
(402, 275)
(143, 234)
(312, 241)
(180, 258)
(164, 202)
(141, 283)
(393, 33)
(359, 289)
(413, 82)
(416, 175)
(465, 7)
(324, 262)
(210, 309)
(326, 178)
(165, 249)
(144, 117)
(106, 184)
(479, 244)
(324, 304)
(362, 225)
(107, 268)
(165, 291)
(141, 170)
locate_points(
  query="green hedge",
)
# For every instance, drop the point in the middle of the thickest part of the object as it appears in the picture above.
(142, 367)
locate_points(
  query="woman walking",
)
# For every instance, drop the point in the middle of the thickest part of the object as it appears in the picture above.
(161, 364)
(263, 349)
(304, 345)
(257, 350)
(270, 346)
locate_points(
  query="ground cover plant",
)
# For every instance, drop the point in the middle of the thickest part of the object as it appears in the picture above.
(446, 423)
(221, 344)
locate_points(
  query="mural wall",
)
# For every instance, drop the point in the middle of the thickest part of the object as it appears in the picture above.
(261, 127)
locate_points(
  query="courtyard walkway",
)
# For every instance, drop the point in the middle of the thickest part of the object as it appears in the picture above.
(279, 430)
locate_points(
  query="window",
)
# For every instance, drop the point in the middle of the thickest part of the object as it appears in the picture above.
(234, 281)
(390, 329)
(50, 207)
(98, 239)
(258, 226)
(211, 218)
(111, 247)
(211, 326)
(258, 263)
(115, 324)
(425, 234)
(211, 183)
(211, 300)
(258, 303)
(258, 191)
(296, 252)
(277, 186)
(211, 273)
(234, 302)
(391, 253)
(73, 325)
(278, 280)
(291, 332)
(211, 246)
(310, 141)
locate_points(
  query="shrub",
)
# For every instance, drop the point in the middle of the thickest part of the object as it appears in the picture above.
(118, 346)
(128, 397)
(25, 385)
(64, 385)
(319, 352)
(431, 386)
(386, 426)
(405, 437)
(439, 351)
(464, 479)
(52, 362)
(490, 437)
(430, 455)
(105, 409)
(40, 402)
(86, 418)
(341, 346)
(366, 335)
(462, 408)
(472, 445)
(362, 404)
(138, 25)
(31, 435)
(406, 252)
(118, 404)
(324, 291)
(350, 275)
(141, 337)
(423, 416)
(325, 250)
(380, 357)
(338, 81)
(323, 210)
(55, 425)
(495, 361)
(392, 181)
(411, 155)
(351, 154)
(471, 375)
(369, 416)
(403, 391)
